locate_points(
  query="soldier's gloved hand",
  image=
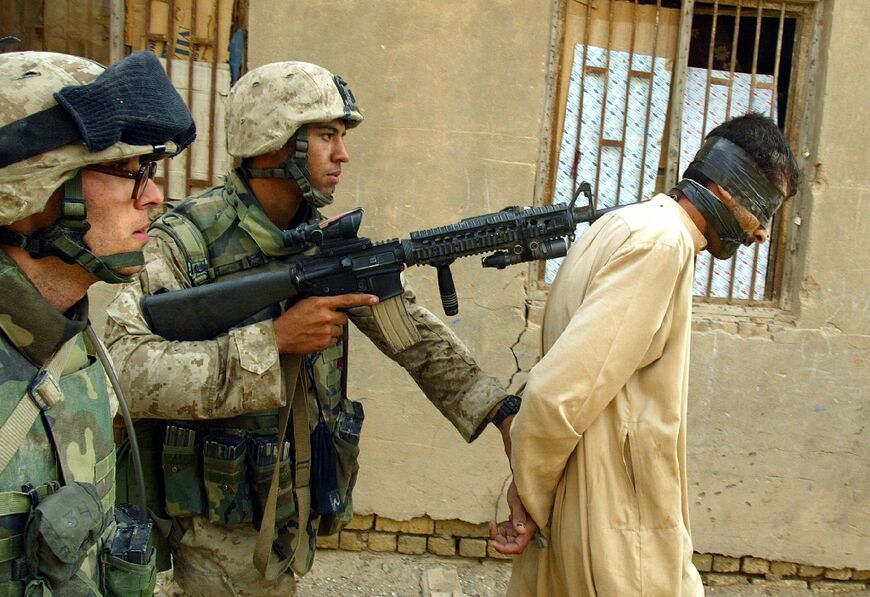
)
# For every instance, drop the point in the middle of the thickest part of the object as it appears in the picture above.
(316, 322)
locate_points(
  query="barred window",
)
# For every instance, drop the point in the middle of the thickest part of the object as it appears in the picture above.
(639, 83)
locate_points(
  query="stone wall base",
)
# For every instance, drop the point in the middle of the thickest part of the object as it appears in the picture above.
(456, 538)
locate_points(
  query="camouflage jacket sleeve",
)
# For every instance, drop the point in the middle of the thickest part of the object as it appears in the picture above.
(235, 373)
(453, 382)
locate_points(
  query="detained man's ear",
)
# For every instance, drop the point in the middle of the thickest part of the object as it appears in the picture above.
(723, 195)
(745, 218)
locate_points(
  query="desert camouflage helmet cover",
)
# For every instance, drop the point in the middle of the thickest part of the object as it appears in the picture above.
(28, 82)
(270, 103)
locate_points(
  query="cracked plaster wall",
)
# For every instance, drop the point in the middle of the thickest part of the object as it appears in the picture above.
(453, 93)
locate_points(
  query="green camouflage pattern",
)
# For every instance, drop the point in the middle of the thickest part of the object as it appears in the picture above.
(227, 490)
(235, 381)
(184, 494)
(126, 579)
(81, 424)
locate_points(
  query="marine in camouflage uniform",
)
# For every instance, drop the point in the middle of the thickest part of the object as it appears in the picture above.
(232, 385)
(68, 218)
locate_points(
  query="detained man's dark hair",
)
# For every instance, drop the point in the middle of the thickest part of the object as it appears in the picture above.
(759, 136)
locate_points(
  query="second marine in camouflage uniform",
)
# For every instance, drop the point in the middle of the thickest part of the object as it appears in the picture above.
(229, 387)
(74, 199)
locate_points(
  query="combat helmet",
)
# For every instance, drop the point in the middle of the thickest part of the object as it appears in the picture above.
(60, 113)
(270, 104)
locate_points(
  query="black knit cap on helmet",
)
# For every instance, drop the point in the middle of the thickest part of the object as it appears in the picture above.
(132, 101)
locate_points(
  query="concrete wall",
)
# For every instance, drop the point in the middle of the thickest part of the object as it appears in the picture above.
(454, 95)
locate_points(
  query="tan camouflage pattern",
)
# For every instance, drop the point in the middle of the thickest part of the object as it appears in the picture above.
(233, 374)
(28, 81)
(81, 424)
(211, 560)
(239, 372)
(270, 103)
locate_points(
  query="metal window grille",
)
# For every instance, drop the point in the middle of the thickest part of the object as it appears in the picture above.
(640, 82)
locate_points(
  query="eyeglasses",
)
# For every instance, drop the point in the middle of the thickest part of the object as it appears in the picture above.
(146, 172)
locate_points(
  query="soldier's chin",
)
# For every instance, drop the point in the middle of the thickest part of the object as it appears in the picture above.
(130, 270)
(327, 190)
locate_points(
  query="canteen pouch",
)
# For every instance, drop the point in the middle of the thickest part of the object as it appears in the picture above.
(264, 455)
(348, 428)
(183, 491)
(61, 530)
(226, 485)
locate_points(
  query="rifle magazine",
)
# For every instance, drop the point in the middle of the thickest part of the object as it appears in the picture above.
(395, 323)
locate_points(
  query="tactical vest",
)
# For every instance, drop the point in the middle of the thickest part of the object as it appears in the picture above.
(79, 430)
(222, 469)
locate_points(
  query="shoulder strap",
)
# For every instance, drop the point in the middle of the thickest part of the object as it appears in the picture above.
(42, 393)
(192, 242)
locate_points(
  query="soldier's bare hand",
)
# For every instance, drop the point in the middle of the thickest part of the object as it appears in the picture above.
(316, 322)
(513, 535)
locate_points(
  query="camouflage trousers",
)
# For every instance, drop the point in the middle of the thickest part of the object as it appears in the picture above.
(212, 561)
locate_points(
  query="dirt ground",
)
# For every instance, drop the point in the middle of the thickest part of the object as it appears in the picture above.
(368, 574)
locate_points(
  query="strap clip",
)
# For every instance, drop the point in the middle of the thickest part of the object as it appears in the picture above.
(31, 492)
(44, 391)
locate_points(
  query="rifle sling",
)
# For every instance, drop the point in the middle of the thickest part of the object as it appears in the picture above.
(296, 392)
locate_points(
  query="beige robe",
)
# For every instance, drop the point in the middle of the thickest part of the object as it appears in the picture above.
(599, 445)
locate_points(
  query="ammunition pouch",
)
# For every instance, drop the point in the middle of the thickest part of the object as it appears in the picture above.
(182, 463)
(61, 530)
(264, 457)
(127, 579)
(128, 560)
(226, 484)
(227, 477)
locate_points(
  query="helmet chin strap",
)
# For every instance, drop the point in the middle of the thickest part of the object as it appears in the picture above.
(295, 168)
(65, 239)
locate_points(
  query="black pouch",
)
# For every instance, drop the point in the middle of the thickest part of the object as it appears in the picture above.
(61, 530)
(265, 455)
(325, 499)
(184, 494)
(226, 484)
(348, 428)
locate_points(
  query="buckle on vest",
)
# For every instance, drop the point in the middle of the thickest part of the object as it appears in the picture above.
(198, 271)
(44, 391)
(256, 260)
(31, 492)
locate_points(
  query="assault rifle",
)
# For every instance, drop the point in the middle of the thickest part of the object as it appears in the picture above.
(346, 263)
